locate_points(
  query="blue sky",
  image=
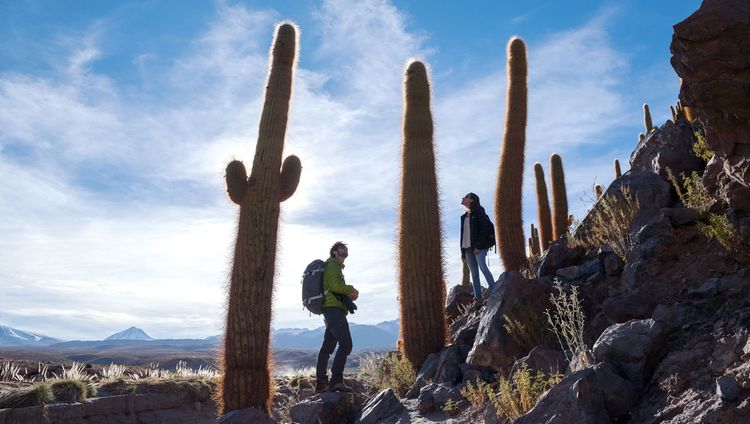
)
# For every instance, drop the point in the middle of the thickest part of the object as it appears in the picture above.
(117, 119)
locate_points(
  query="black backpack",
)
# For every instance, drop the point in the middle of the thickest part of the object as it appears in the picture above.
(313, 295)
(491, 237)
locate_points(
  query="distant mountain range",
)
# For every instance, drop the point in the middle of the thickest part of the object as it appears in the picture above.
(15, 337)
(365, 337)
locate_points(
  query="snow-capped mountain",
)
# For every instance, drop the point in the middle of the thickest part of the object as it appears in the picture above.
(132, 333)
(14, 337)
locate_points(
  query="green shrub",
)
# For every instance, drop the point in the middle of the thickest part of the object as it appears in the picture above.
(69, 391)
(21, 398)
(719, 228)
(390, 370)
(700, 147)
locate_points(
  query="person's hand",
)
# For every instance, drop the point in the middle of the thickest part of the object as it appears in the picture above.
(354, 295)
(476, 251)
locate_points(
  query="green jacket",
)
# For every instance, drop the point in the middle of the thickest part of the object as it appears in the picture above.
(333, 282)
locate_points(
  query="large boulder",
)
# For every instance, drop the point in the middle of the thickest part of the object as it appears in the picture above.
(458, 296)
(328, 408)
(652, 192)
(518, 299)
(667, 147)
(594, 395)
(710, 54)
(384, 405)
(633, 348)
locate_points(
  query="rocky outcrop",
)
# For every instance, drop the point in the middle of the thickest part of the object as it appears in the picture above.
(667, 147)
(710, 54)
(516, 298)
(594, 395)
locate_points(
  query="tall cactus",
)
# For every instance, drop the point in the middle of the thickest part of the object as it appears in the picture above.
(618, 172)
(246, 367)
(510, 172)
(559, 197)
(420, 263)
(647, 119)
(543, 212)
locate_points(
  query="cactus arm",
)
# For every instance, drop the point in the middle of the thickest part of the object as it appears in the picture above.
(236, 177)
(289, 177)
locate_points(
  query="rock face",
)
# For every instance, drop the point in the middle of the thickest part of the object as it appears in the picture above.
(668, 146)
(710, 54)
(514, 297)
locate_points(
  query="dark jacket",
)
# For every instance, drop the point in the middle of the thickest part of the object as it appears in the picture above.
(479, 229)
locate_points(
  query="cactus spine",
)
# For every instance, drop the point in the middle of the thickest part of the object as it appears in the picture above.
(246, 378)
(510, 172)
(543, 212)
(559, 197)
(618, 172)
(647, 119)
(420, 270)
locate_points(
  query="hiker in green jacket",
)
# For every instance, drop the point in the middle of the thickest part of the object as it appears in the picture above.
(337, 326)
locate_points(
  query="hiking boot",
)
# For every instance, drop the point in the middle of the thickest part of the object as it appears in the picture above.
(341, 387)
(321, 388)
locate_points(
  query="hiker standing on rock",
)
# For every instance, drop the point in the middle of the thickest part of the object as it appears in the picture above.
(475, 241)
(337, 304)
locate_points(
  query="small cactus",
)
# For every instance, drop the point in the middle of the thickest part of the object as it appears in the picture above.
(559, 197)
(618, 172)
(420, 261)
(508, 213)
(647, 119)
(598, 191)
(641, 137)
(543, 212)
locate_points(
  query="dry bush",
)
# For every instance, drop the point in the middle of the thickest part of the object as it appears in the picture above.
(10, 371)
(478, 394)
(611, 223)
(567, 321)
(390, 370)
(519, 394)
(528, 330)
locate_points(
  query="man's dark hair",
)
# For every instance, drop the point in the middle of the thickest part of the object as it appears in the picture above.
(338, 245)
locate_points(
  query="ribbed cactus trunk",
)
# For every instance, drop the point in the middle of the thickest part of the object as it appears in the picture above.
(618, 172)
(543, 212)
(535, 247)
(420, 263)
(647, 119)
(559, 197)
(510, 239)
(245, 363)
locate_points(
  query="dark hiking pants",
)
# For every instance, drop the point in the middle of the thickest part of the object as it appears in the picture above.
(337, 331)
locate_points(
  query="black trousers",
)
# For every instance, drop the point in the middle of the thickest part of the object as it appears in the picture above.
(337, 331)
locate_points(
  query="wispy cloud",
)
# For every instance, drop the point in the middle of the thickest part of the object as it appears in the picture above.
(118, 212)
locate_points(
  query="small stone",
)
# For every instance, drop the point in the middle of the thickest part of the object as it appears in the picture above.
(727, 388)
